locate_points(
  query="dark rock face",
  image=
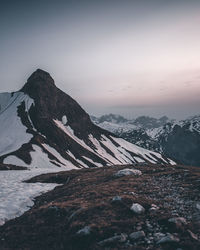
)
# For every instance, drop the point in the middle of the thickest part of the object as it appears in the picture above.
(52, 103)
(4, 167)
(182, 145)
(140, 138)
(147, 122)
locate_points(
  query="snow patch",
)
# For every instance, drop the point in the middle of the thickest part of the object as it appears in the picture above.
(40, 159)
(69, 131)
(144, 153)
(62, 160)
(13, 133)
(14, 160)
(64, 120)
(102, 152)
(93, 162)
(82, 164)
(138, 159)
(16, 197)
(117, 127)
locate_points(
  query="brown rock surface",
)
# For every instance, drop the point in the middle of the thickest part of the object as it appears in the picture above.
(84, 201)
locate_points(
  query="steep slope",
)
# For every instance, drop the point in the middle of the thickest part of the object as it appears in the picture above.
(181, 140)
(42, 126)
(13, 132)
(177, 140)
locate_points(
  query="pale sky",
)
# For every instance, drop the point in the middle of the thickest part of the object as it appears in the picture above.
(126, 57)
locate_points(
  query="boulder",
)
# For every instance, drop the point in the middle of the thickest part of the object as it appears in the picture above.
(127, 171)
(117, 199)
(158, 236)
(168, 239)
(178, 220)
(177, 223)
(84, 231)
(115, 239)
(137, 208)
(153, 207)
(137, 235)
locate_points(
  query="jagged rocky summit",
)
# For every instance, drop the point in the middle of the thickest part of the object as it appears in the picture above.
(41, 126)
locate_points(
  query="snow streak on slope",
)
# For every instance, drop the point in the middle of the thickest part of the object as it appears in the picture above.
(144, 153)
(93, 162)
(12, 132)
(118, 127)
(82, 164)
(107, 149)
(69, 131)
(110, 159)
(192, 123)
(63, 161)
(121, 156)
(40, 159)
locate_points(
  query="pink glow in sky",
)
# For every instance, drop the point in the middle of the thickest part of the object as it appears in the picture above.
(127, 57)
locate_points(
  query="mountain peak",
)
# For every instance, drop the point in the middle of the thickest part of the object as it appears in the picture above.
(38, 80)
(41, 75)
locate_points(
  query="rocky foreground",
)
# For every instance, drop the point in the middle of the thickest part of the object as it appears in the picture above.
(119, 207)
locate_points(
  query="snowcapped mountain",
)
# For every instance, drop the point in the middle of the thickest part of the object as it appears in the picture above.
(177, 140)
(180, 140)
(147, 122)
(41, 126)
(113, 118)
(118, 124)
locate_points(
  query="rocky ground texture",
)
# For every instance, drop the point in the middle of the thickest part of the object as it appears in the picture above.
(156, 207)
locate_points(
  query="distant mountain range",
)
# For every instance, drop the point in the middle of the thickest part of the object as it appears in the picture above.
(178, 140)
(141, 121)
(42, 127)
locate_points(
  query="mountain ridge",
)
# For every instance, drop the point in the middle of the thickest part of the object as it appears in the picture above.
(179, 140)
(58, 132)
